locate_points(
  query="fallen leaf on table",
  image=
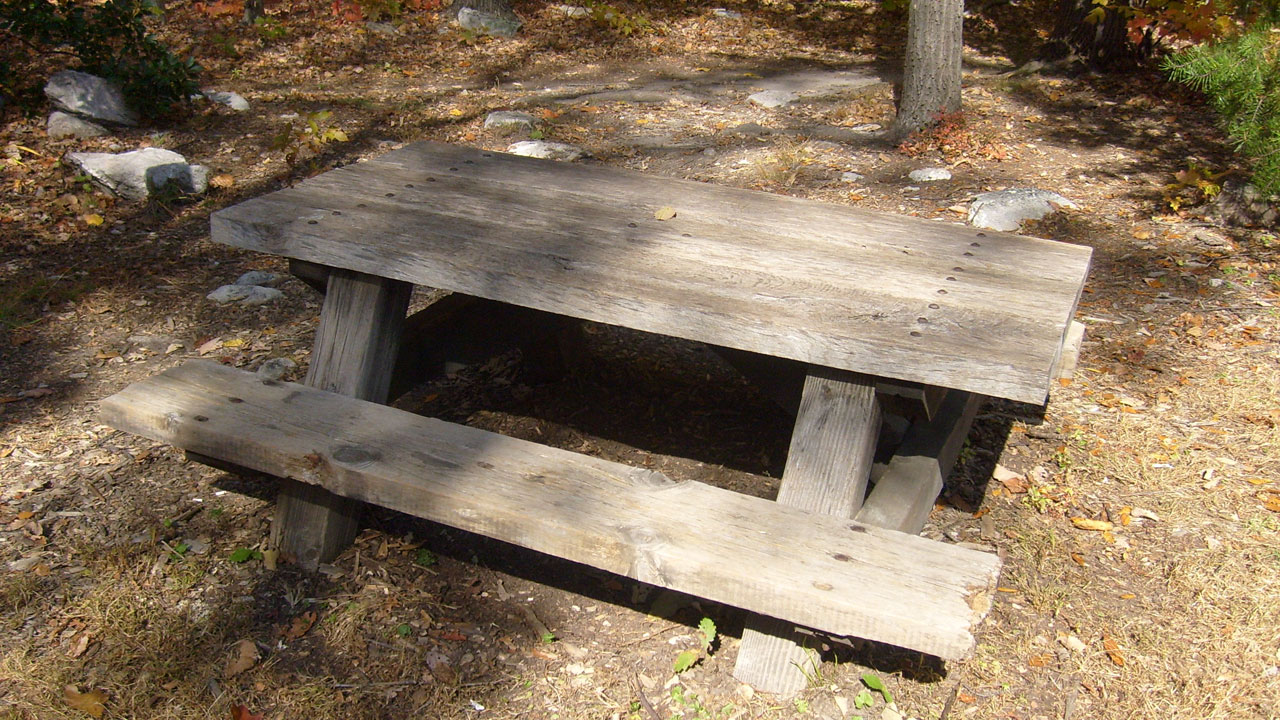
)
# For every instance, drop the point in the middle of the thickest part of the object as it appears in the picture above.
(665, 213)
(244, 657)
(92, 703)
(1087, 524)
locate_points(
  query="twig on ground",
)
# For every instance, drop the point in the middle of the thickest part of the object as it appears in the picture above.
(644, 701)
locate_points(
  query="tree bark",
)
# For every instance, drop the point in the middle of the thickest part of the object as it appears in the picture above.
(931, 71)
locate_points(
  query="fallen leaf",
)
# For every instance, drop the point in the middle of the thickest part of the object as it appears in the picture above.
(1040, 660)
(1087, 524)
(966, 698)
(93, 219)
(244, 657)
(80, 644)
(222, 181)
(1257, 481)
(453, 637)
(26, 515)
(1073, 643)
(1078, 558)
(36, 392)
(240, 712)
(300, 625)
(209, 346)
(1271, 501)
(665, 213)
(270, 559)
(1113, 651)
(92, 703)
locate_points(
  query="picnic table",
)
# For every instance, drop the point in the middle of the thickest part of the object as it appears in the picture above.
(843, 313)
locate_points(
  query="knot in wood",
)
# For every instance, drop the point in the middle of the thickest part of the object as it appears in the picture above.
(356, 455)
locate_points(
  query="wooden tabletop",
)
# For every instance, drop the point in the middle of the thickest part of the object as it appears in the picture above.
(870, 292)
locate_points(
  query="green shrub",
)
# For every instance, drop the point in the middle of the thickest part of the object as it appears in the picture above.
(1241, 78)
(109, 39)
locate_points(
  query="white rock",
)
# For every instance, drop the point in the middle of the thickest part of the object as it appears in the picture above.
(258, 277)
(61, 125)
(485, 23)
(244, 294)
(382, 28)
(135, 175)
(930, 175)
(773, 98)
(573, 11)
(233, 100)
(507, 122)
(727, 14)
(90, 96)
(1006, 209)
(546, 150)
(851, 177)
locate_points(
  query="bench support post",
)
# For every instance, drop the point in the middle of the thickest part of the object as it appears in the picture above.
(354, 354)
(832, 449)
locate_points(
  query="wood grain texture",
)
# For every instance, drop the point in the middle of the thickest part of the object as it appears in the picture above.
(354, 354)
(904, 495)
(832, 449)
(815, 570)
(839, 287)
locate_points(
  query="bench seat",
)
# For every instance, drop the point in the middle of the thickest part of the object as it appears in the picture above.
(816, 570)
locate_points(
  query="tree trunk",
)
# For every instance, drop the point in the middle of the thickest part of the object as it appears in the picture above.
(931, 71)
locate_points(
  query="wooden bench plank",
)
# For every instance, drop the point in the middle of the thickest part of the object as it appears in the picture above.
(820, 284)
(828, 465)
(822, 572)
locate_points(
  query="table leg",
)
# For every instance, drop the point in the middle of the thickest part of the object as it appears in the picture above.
(832, 449)
(354, 354)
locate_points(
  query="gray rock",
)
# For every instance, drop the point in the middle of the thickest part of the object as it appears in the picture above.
(727, 14)
(1006, 209)
(136, 175)
(276, 368)
(851, 177)
(486, 23)
(749, 130)
(233, 100)
(258, 277)
(546, 150)
(185, 178)
(382, 28)
(91, 96)
(63, 125)
(573, 11)
(509, 122)
(244, 294)
(930, 175)
(1243, 204)
(1212, 239)
(773, 98)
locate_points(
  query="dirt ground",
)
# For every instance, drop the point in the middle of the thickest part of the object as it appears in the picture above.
(132, 582)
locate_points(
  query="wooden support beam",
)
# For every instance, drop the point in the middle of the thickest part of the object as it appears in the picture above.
(1069, 354)
(832, 449)
(354, 353)
(819, 571)
(313, 274)
(904, 495)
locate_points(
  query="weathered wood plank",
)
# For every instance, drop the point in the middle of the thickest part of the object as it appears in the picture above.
(822, 572)
(904, 495)
(1069, 355)
(832, 448)
(819, 284)
(354, 353)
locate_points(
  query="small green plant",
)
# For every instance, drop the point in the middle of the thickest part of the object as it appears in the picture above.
(110, 39)
(403, 630)
(801, 705)
(425, 558)
(179, 551)
(707, 636)
(242, 555)
(1192, 186)
(307, 137)
(875, 684)
(269, 28)
(547, 637)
